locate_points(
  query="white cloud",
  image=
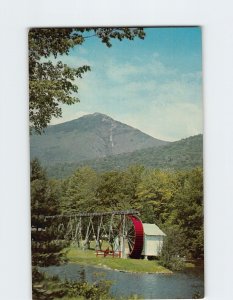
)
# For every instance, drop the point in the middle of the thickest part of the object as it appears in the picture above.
(168, 122)
(177, 120)
(138, 68)
(147, 95)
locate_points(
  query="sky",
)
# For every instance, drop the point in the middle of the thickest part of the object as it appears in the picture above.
(154, 84)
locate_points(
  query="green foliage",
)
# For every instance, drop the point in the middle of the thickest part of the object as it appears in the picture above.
(48, 288)
(189, 209)
(36, 171)
(79, 256)
(174, 201)
(88, 138)
(45, 246)
(181, 155)
(117, 190)
(175, 264)
(80, 192)
(155, 193)
(174, 249)
(171, 199)
(88, 191)
(112, 191)
(99, 290)
(52, 84)
(197, 295)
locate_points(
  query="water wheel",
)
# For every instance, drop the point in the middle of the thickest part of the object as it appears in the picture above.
(134, 235)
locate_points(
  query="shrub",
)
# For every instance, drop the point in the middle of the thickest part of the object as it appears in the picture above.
(174, 264)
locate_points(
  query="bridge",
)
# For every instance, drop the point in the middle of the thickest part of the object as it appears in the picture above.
(122, 230)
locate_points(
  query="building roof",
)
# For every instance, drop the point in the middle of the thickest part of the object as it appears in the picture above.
(152, 229)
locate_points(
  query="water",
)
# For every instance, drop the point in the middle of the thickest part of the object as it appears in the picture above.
(149, 286)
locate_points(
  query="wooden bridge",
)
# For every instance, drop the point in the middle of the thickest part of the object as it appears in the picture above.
(122, 230)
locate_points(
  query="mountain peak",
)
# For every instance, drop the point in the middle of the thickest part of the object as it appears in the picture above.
(96, 115)
(100, 115)
(90, 136)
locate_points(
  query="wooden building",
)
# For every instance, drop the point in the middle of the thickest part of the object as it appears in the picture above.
(153, 240)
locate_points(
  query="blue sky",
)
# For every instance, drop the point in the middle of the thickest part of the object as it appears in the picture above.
(153, 84)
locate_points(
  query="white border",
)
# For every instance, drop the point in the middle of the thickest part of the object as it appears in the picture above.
(16, 17)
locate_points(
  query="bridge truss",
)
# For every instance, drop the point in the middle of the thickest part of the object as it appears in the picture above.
(122, 230)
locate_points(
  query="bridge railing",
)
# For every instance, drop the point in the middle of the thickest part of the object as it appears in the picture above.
(88, 214)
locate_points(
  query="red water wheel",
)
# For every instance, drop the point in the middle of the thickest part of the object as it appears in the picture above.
(134, 235)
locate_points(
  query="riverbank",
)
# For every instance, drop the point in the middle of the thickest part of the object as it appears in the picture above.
(179, 285)
(88, 257)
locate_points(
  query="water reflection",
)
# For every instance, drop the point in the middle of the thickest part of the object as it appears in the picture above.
(150, 286)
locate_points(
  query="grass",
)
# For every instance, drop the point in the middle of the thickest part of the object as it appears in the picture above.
(189, 265)
(88, 257)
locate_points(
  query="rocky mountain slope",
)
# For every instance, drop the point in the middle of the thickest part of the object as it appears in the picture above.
(184, 154)
(92, 136)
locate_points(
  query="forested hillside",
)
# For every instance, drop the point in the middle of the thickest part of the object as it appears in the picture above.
(183, 154)
(171, 199)
(89, 137)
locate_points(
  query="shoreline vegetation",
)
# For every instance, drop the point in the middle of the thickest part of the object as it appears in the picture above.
(121, 169)
(88, 257)
(51, 287)
(173, 199)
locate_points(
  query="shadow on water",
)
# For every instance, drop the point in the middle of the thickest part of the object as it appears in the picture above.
(180, 285)
(197, 271)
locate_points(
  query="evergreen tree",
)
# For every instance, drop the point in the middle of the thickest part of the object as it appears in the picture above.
(45, 245)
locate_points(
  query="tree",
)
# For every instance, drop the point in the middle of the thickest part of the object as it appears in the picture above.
(80, 192)
(174, 201)
(173, 248)
(45, 247)
(188, 203)
(132, 178)
(52, 84)
(155, 193)
(117, 189)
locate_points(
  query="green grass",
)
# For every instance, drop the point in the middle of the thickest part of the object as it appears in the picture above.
(189, 265)
(88, 257)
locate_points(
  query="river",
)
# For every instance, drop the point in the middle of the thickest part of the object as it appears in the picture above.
(180, 285)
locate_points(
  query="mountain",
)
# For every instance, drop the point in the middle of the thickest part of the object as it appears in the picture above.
(92, 136)
(184, 154)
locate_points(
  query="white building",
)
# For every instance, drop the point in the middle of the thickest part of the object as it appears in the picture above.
(153, 240)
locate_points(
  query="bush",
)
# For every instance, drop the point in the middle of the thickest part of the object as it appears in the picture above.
(48, 288)
(174, 264)
(173, 249)
(197, 295)
(96, 291)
